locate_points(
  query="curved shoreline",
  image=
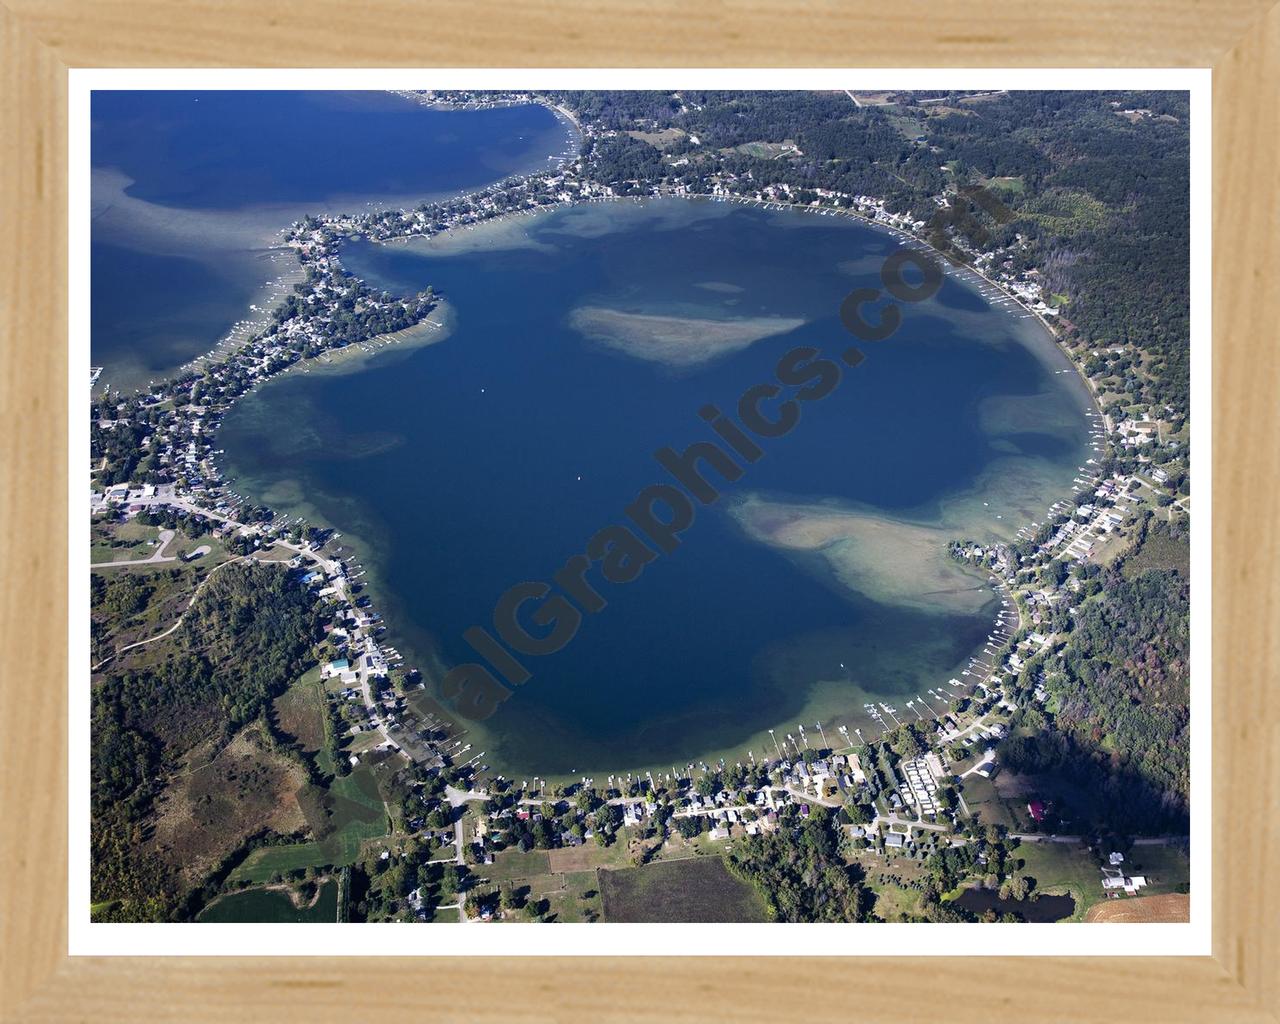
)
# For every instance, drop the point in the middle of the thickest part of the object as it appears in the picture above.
(738, 750)
(512, 184)
(254, 229)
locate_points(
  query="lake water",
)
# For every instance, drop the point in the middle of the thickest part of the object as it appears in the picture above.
(1041, 910)
(191, 189)
(816, 585)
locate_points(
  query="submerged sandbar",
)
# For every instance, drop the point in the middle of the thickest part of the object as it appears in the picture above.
(675, 340)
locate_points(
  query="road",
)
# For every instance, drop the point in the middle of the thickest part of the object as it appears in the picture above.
(458, 798)
(330, 567)
(156, 556)
(1033, 837)
(161, 636)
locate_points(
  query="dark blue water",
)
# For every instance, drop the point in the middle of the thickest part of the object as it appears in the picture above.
(178, 258)
(1041, 910)
(152, 307)
(490, 458)
(228, 150)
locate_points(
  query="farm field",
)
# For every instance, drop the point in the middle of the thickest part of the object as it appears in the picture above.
(348, 814)
(1159, 551)
(698, 889)
(273, 906)
(1171, 908)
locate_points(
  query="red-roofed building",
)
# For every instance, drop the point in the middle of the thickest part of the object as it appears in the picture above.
(1037, 810)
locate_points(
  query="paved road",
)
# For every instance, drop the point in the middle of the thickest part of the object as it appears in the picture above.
(1033, 837)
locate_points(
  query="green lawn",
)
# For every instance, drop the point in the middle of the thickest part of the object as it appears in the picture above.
(351, 812)
(1063, 868)
(982, 799)
(512, 864)
(1167, 868)
(268, 906)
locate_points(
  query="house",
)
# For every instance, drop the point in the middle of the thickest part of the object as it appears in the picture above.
(1037, 810)
(1114, 879)
(895, 840)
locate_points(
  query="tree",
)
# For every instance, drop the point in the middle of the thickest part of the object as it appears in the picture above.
(1015, 887)
(859, 813)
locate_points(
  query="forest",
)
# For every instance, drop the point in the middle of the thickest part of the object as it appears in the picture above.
(1098, 182)
(1121, 707)
(240, 645)
(800, 870)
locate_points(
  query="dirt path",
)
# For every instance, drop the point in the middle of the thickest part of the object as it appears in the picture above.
(161, 636)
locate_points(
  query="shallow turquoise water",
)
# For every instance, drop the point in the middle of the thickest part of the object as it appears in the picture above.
(191, 187)
(490, 458)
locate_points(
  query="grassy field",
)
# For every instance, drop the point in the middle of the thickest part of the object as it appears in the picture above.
(896, 903)
(696, 889)
(1167, 868)
(659, 140)
(1063, 868)
(512, 864)
(1159, 551)
(1112, 547)
(300, 712)
(1011, 186)
(572, 895)
(347, 815)
(113, 542)
(580, 899)
(589, 856)
(273, 906)
(767, 150)
(983, 800)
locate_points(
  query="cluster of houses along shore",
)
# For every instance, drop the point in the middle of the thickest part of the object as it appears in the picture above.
(172, 429)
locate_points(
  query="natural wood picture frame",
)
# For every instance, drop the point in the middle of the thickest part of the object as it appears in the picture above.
(42, 39)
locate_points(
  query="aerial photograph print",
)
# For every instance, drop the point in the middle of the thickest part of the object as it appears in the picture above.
(636, 506)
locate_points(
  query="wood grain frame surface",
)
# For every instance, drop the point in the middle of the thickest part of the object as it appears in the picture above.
(41, 39)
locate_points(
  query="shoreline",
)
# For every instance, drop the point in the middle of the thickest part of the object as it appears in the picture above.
(353, 364)
(401, 636)
(252, 229)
